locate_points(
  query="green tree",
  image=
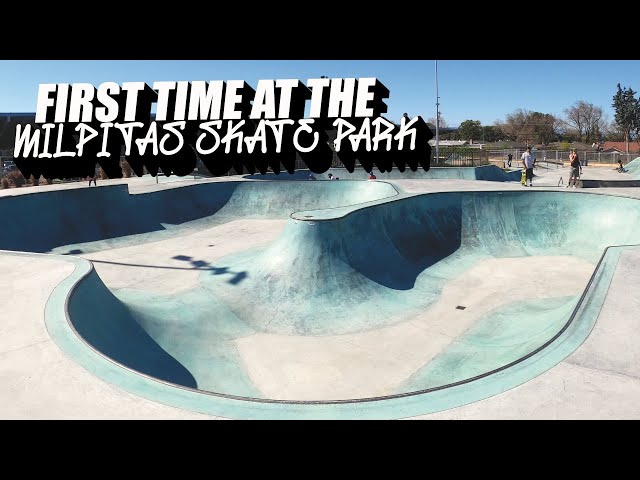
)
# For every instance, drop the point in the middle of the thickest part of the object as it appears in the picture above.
(470, 129)
(491, 133)
(627, 112)
(569, 136)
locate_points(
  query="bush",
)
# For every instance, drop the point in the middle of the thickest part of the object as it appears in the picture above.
(34, 181)
(126, 169)
(5, 183)
(48, 181)
(16, 178)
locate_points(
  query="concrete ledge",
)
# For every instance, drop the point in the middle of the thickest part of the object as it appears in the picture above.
(610, 183)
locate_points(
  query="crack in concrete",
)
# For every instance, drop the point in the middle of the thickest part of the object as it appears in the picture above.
(7, 352)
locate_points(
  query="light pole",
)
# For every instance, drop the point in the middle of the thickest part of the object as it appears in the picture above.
(437, 118)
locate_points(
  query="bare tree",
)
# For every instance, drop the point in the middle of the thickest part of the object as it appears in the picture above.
(432, 122)
(613, 132)
(545, 127)
(530, 127)
(517, 126)
(586, 119)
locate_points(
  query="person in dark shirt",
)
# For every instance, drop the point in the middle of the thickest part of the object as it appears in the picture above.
(575, 168)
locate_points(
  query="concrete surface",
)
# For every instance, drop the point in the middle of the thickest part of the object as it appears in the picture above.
(378, 362)
(38, 381)
(598, 380)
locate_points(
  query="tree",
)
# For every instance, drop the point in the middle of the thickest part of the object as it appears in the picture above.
(627, 112)
(530, 127)
(613, 132)
(491, 133)
(432, 122)
(586, 119)
(569, 136)
(517, 126)
(470, 129)
(545, 127)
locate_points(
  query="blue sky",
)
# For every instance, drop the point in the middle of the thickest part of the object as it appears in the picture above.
(483, 90)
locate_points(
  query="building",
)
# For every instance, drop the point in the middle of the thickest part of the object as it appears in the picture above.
(8, 122)
(620, 147)
(457, 143)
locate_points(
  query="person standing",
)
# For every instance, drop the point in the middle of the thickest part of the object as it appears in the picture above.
(575, 168)
(95, 176)
(509, 158)
(528, 161)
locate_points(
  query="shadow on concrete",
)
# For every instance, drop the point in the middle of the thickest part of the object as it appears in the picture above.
(107, 325)
(196, 265)
(202, 265)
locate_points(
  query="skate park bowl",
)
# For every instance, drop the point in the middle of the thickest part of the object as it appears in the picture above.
(629, 178)
(370, 303)
(484, 172)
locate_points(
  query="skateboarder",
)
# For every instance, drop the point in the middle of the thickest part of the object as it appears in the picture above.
(528, 161)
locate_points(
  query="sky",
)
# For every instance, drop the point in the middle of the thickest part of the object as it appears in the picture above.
(484, 90)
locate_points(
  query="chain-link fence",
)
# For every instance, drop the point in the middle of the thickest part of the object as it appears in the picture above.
(561, 157)
(447, 157)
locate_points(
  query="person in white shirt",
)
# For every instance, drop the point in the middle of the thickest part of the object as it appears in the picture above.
(528, 161)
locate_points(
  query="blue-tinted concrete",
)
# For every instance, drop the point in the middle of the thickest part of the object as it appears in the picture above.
(561, 226)
(45, 221)
(106, 324)
(369, 254)
(355, 273)
(633, 168)
(484, 172)
(504, 335)
(352, 273)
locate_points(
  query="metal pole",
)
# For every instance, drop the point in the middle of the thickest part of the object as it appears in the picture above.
(437, 118)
